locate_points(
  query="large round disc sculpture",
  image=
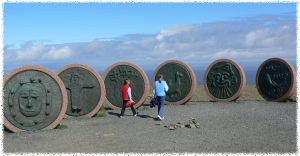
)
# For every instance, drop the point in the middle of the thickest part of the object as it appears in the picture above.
(224, 80)
(180, 79)
(276, 80)
(114, 77)
(85, 88)
(34, 99)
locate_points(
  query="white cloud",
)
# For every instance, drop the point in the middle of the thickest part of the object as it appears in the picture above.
(252, 39)
(34, 52)
(57, 53)
(173, 31)
(234, 54)
(29, 53)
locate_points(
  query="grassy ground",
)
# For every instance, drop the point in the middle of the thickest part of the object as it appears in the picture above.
(250, 93)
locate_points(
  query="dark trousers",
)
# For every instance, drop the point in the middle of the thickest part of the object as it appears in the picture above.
(161, 105)
(124, 107)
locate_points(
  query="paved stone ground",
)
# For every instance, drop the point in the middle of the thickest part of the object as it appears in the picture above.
(243, 126)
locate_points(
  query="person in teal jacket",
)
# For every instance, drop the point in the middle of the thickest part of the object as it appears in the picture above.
(159, 92)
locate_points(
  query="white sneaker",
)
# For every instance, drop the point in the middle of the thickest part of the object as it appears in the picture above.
(159, 117)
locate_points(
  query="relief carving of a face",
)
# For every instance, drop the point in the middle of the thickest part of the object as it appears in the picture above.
(30, 100)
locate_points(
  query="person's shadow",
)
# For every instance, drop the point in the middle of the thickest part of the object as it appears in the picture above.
(145, 116)
(113, 113)
(139, 115)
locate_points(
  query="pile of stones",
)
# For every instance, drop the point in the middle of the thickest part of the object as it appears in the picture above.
(36, 98)
(191, 124)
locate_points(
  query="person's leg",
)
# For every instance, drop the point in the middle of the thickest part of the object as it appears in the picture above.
(133, 110)
(123, 108)
(162, 106)
(159, 105)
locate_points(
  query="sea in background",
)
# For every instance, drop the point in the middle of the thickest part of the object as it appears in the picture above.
(250, 75)
(199, 72)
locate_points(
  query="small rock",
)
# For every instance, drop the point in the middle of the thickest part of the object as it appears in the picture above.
(179, 126)
(194, 123)
(171, 127)
(192, 126)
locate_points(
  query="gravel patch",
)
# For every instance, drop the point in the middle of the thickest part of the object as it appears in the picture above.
(242, 126)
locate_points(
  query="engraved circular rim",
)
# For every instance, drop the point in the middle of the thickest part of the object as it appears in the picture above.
(292, 70)
(141, 71)
(59, 82)
(242, 77)
(101, 86)
(193, 80)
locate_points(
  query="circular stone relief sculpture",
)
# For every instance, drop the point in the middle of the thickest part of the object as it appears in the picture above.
(181, 81)
(85, 88)
(114, 76)
(224, 80)
(276, 79)
(34, 98)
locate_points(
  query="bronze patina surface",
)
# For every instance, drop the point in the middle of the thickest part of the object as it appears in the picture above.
(276, 79)
(224, 80)
(180, 78)
(85, 88)
(113, 80)
(34, 99)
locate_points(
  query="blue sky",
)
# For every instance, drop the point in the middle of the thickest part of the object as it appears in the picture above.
(76, 22)
(99, 34)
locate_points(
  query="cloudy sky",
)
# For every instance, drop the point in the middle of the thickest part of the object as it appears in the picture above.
(99, 34)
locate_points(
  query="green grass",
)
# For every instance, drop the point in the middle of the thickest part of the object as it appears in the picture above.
(144, 107)
(102, 113)
(61, 126)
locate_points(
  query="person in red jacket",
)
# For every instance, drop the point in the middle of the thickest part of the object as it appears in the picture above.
(126, 96)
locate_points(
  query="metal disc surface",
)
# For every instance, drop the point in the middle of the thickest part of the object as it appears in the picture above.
(34, 99)
(224, 80)
(113, 80)
(275, 79)
(180, 79)
(85, 89)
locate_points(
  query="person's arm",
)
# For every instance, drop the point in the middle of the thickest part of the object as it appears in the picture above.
(129, 94)
(154, 93)
(166, 87)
